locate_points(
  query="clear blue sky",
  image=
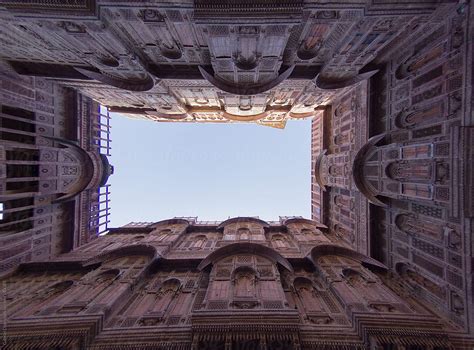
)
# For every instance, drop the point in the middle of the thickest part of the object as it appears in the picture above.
(213, 171)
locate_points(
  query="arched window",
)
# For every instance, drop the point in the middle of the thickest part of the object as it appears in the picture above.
(163, 235)
(279, 241)
(107, 276)
(243, 233)
(414, 278)
(244, 282)
(165, 294)
(199, 242)
(411, 224)
(307, 294)
(415, 170)
(353, 277)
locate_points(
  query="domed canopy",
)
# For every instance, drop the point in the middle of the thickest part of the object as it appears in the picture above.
(242, 219)
(304, 221)
(173, 221)
(318, 170)
(245, 248)
(358, 170)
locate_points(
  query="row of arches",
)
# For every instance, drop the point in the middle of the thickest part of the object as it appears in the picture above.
(134, 292)
(128, 263)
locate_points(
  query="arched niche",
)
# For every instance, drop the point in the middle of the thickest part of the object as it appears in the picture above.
(410, 170)
(245, 248)
(166, 292)
(107, 275)
(42, 300)
(280, 241)
(414, 278)
(244, 279)
(417, 225)
(199, 242)
(161, 234)
(413, 117)
(243, 234)
(417, 61)
(352, 276)
(310, 301)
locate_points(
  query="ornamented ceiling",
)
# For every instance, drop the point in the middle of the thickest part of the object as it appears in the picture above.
(206, 61)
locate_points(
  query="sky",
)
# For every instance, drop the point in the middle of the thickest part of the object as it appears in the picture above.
(212, 171)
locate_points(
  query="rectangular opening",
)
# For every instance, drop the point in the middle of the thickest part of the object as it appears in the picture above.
(18, 112)
(16, 215)
(10, 136)
(22, 154)
(23, 186)
(22, 170)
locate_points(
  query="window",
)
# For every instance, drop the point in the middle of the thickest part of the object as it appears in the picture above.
(163, 235)
(199, 242)
(243, 233)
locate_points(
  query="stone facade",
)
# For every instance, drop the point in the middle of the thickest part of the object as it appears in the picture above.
(385, 261)
(205, 61)
(392, 175)
(53, 170)
(241, 283)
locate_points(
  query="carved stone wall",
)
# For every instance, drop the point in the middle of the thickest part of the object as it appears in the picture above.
(394, 171)
(345, 132)
(181, 63)
(416, 168)
(384, 264)
(45, 177)
(141, 294)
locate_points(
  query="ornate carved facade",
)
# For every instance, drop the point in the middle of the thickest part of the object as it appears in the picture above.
(241, 283)
(53, 169)
(385, 261)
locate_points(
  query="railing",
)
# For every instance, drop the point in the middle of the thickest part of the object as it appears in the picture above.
(101, 130)
(100, 211)
(100, 202)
